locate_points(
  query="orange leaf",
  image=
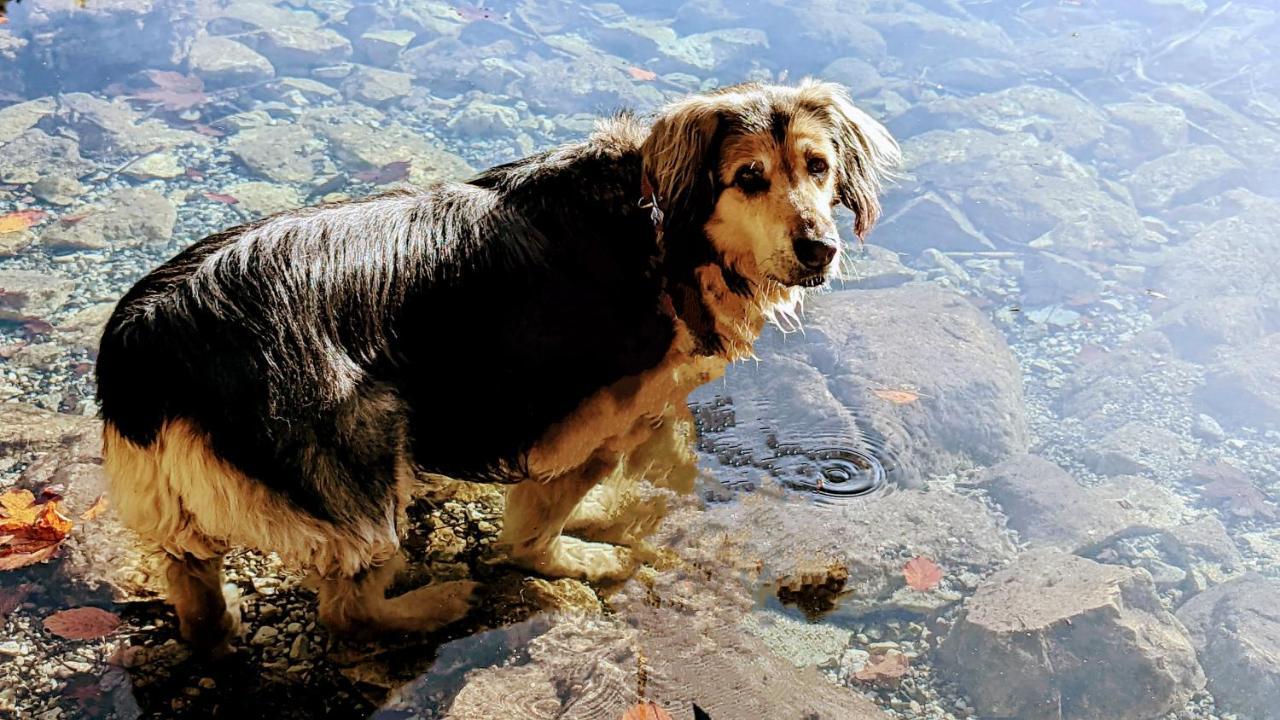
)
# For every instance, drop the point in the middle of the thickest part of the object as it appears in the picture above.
(221, 197)
(640, 73)
(889, 666)
(922, 574)
(897, 397)
(20, 220)
(84, 623)
(646, 711)
(99, 506)
(29, 532)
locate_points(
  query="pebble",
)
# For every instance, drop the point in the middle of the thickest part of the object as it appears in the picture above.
(265, 635)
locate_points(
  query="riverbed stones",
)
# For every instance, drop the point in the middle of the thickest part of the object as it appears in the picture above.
(128, 217)
(359, 146)
(1138, 448)
(34, 155)
(294, 48)
(1189, 175)
(1236, 631)
(26, 427)
(107, 129)
(20, 117)
(1243, 387)
(375, 86)
(1053, 116)
(1059, 637)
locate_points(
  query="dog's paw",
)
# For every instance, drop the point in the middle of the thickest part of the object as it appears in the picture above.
(573, 558)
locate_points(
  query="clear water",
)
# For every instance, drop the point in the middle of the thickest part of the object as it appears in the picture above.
(1079, 261)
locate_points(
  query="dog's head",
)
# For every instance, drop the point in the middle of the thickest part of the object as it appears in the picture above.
(759, 170)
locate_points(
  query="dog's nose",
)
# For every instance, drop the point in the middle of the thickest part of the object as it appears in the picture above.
(814, 254)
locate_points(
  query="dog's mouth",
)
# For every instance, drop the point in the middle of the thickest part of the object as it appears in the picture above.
(811, 281)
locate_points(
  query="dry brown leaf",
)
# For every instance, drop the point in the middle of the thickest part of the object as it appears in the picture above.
(83, 623)
(646, 711)
(98, 507)
(223, 198)
(922, 574)
(31, 532)
(889, 666)
(641, 74)
(173, 91)
(20, 220)
(897, 397)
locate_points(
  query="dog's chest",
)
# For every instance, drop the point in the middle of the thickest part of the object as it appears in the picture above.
(617, 418)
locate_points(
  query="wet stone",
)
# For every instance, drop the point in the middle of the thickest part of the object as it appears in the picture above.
(32, 294)
(18, 118)
(1137, 448)
(260, 199)
(1236, 630)
(1182, 177)
(110, 128)
(128, 217)
(1241, 387)
(872, 267)
(26, 427)
(281, 153)
(1051, 115)
(58, 189)
(374, 86)
(929, 221)
(292, 49)
(1054, 636)
(223, 62)
(34, 155)
(382, 47)
(1154, 128)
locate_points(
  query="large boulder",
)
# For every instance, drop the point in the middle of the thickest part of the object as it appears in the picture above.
(223, 62)
(1059, 637)
(27, 428)
(1243, 386)
(283, 153)
(1236, 631)
(945, 395)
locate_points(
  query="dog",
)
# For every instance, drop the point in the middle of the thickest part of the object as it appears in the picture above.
(278, 385)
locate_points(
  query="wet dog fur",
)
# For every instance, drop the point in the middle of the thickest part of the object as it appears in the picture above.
(277, 385)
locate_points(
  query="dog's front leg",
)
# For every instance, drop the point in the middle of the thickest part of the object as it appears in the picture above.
(535, 517)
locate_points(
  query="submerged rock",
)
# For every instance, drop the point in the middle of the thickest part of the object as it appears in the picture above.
(109, 128)
(1236, 630)
(292, 49)
(1243, 387)
(34, 155)
(944, 394)
(32, 294)
(223, 62)
(360, 146)
(283, 153)
(1186, 176)
(18, 118)
(1138, 448)
(374, 86)
(26, 427)
(128, 217)
(1059, 637)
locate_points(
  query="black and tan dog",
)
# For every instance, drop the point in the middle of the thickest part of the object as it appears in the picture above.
(276, 385)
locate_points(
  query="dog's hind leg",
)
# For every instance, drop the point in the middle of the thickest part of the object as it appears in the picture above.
(196, 592)
(358, 604)
(535, 518)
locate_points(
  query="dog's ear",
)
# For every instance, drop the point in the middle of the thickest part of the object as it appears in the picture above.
(868, 153)
(678, 154)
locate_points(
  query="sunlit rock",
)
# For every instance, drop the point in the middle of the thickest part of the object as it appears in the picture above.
(1236, 630)
(1059, 637)
(1243, 386)
(34, 155)
(375, 86)
(284, 153)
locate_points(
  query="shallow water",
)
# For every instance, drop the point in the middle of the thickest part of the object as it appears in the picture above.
(1022, 460)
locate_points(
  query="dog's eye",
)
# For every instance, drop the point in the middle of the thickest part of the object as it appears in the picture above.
(750, 179)
(817, 166)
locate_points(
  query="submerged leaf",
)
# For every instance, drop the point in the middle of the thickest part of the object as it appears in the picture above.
(640, 73)
(83, 623)
(897, 397)
(221, 197)
(646, 711)
(922, 574)
(889, 666)
(173, 91)
(20, 220)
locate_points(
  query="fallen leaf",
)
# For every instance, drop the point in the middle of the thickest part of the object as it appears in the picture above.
(32, 531)
(221, 197)
(35, 326)
(12, 597)
(922, 574)
(389, 173)
(173, 91)
(206, 130)
(193, 174)
(472, 13)
(73, 219)
(98, 507)
(640, 73)
(646, 711)
(83, 623)
(889, 666)
(20, 220)
(897, 397)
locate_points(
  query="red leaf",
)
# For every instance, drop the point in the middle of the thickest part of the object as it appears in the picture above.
(221, 197)
(20, 220)
(640, 73)
(173, 91)
(389, 173)
(30, 532)
(889, 666)
(922, 574)
(84, 623)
